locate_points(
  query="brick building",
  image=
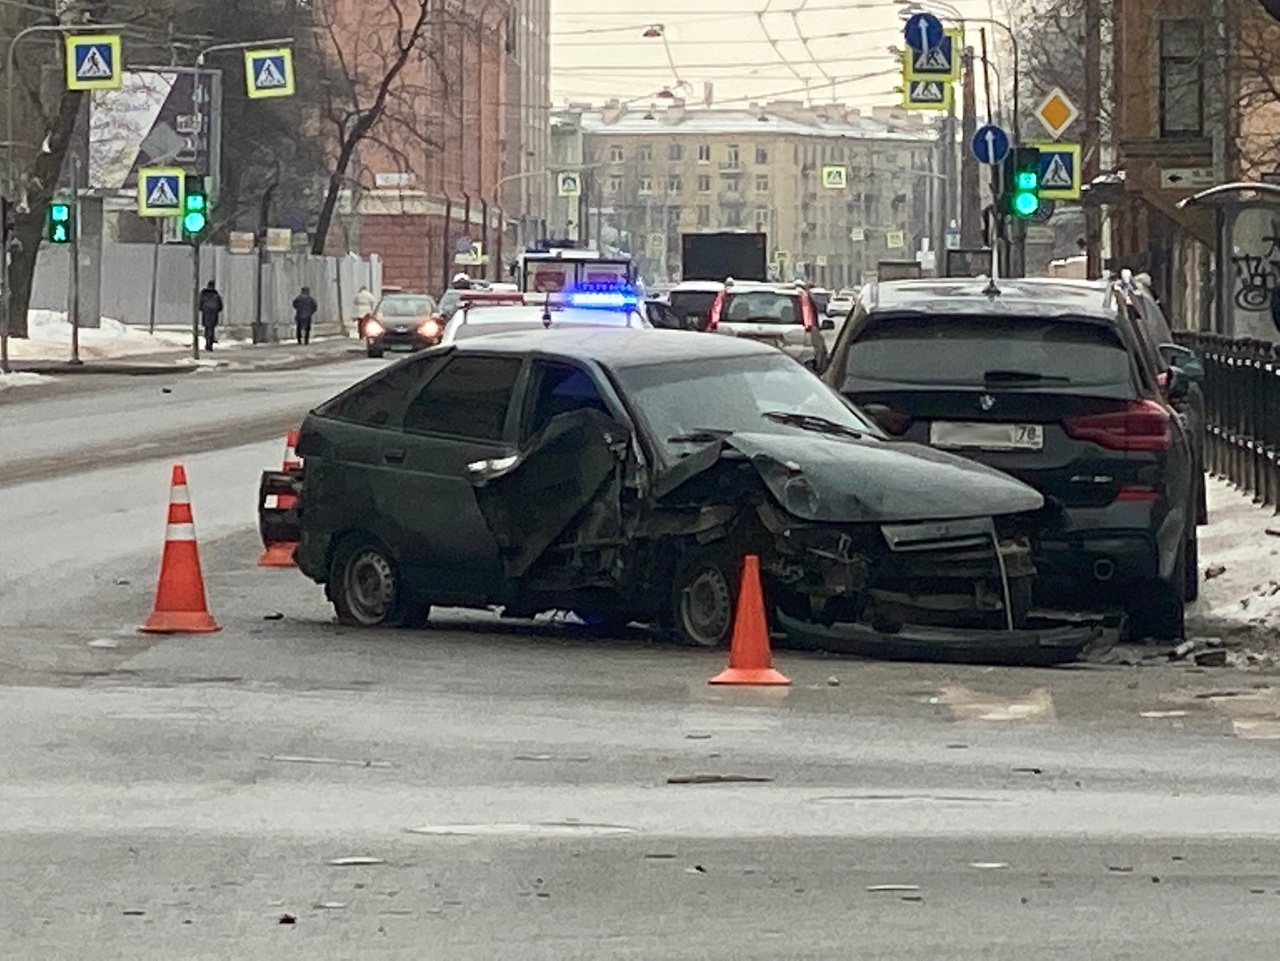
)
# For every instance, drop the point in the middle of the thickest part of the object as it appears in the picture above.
(468, 112)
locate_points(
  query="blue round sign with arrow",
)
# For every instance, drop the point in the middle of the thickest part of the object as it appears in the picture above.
(923, 32)
(990, 144)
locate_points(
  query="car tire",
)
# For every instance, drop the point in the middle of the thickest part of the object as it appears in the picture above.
(704, 593)
(365, 587)
(374, 352)
(1191, 568)
(1159, 613)
(1202, 502)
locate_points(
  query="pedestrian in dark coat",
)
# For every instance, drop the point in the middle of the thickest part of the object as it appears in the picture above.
(210, 314)
(304, 309)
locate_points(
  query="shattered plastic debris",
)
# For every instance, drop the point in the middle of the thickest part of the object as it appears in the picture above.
(354, 861)
(1216, 571)
(718, 779)
(287, 919)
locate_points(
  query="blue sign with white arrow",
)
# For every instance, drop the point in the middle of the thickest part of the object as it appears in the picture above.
(923, 32)
(990, 144)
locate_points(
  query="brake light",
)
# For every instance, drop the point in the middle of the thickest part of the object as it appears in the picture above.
(1138, 494)
(1143, 425)
(713, 319)
(807, 313)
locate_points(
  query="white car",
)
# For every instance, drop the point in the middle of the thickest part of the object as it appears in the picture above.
(481, 320)
(841, 303)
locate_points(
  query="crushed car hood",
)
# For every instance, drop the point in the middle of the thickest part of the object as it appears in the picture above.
(817, 478)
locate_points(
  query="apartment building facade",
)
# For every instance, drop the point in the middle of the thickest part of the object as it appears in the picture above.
(651, 175)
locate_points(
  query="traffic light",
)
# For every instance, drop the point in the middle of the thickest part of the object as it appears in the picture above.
(60, 222)
(195, 210)
(1023, 182)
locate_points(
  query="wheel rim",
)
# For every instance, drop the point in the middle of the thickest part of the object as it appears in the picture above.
(706, 608)
(370, 587)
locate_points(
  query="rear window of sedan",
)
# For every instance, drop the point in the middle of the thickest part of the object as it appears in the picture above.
(1008, 351)
(762, 307)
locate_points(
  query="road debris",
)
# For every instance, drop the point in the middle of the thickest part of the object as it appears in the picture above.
(718, 779)
(329, 905)
(105, 644)
(277, 616)
(1120, 868)
(1214, 658)
(1217, 570)
(696, 869)
(833, 681)
(989, 865)
(1156, 714)
(133, 913)
(1028, 770)
(358, 860)
(697, 737)
(334, 761)
(287, 919)
(892, 888)
(659, 856)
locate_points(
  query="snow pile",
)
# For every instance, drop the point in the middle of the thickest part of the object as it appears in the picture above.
(1239, 563)
(50, 339)
(9, 381)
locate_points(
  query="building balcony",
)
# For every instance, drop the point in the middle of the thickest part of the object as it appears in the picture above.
(731, 198)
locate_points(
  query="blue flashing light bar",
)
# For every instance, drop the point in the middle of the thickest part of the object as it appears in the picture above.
(603, 297)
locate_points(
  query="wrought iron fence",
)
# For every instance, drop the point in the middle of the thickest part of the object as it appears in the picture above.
(1242, 399)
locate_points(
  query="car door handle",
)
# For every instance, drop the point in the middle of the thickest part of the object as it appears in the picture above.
(393, 456)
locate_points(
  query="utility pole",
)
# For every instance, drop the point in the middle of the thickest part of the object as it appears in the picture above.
(1092, 164)
(970, 188)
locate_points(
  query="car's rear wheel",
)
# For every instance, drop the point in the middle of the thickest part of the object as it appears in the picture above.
(703, 594)
(366, 590)
(1159, 612)
(1191, 568)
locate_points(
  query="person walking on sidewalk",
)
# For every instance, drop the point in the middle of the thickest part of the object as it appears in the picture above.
(304, 309)
(210, 313)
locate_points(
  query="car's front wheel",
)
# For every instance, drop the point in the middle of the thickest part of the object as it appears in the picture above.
(366, 590)
(704, 592)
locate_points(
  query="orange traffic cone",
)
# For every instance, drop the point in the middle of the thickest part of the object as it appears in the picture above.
(749, 659)
(180, 606)
(280, 554)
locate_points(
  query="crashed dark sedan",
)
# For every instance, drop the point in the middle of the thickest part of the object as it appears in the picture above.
(609, 473)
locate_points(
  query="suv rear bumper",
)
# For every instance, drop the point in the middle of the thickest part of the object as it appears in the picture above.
(1107, 559)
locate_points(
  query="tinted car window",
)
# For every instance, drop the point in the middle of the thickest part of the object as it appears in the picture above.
(468, 398)
(692, 303)
(559, 389)
(378, 402)
(977, 351)
(400, 306)
(762, 307)
(820, 298)
(730, 394)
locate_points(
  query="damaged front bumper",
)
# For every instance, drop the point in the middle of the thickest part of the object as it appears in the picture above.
(1030, 647)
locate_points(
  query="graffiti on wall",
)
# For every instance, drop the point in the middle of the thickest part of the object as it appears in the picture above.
(1258, 274)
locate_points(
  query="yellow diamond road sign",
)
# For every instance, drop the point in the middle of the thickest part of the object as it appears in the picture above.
(269, 73)
(93, 62)
(1056, 113)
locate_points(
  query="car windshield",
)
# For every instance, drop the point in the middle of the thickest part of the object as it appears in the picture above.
(761, 307)
(1006, 351)
(689, 402)
(407, 306)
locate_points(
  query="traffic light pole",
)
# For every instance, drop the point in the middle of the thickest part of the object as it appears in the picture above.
(73, 305)
(195, 300)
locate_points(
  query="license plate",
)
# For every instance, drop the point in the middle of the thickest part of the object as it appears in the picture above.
(956, 435)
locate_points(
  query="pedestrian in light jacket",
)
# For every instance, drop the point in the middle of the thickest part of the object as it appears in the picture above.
(304, 309)
(210, 313)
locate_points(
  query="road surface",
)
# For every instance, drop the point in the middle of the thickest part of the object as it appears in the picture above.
(511, 783)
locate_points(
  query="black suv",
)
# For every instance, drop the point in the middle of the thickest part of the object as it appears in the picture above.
(1051, 383)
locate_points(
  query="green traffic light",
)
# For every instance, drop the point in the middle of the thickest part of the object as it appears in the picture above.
(194, 222)
(1027, 180)
(59, 234)
(1025, 204)
(60, 213)
(195, 202)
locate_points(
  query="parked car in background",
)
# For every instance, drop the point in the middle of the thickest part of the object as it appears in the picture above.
(403, 321)
(610, 473)
(1050, 383)
(840, 304)
(821, 298)
(693, 300)
(781, 315)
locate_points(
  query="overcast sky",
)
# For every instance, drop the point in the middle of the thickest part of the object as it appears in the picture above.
(748, 49)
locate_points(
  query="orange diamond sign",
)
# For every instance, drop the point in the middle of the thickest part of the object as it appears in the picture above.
(1057, 113)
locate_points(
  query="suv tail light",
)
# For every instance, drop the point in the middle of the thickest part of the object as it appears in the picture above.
(1143, 425)
(807, 313)
(713, 320)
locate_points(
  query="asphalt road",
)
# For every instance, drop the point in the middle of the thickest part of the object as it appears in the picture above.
(176, 797)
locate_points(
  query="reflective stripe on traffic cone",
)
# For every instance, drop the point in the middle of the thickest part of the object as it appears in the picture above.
(280, 554)
(750, 661)
(180, 606)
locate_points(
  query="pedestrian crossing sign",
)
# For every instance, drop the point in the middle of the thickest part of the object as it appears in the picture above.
(93, 62)
(269, 73)
(835, 178)
(1060, 171)
(161, 191)
(926, 94)
(937, 63)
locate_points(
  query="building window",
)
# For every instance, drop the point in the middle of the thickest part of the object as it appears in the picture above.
(734, 157)
(616, 154)
(733, 186)
(1181, 78)
(675, 151)
(646, 185)
(762, 155)
(762, 183)
(615, 185)
(704, 153)
(645, 153)
(704, 215)
(704, 184)
(674, 184)
(733, 217)
(763, 216)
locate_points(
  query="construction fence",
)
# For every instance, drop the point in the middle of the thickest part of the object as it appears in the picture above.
(151, 285)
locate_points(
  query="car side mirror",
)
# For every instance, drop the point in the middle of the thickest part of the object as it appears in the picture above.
(1184, 359)
(828, 324)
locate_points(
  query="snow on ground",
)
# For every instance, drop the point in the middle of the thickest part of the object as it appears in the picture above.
(1240, 561)
(9, 381)
(50, 339)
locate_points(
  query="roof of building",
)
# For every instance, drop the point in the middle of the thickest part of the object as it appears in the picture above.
(791, 120)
